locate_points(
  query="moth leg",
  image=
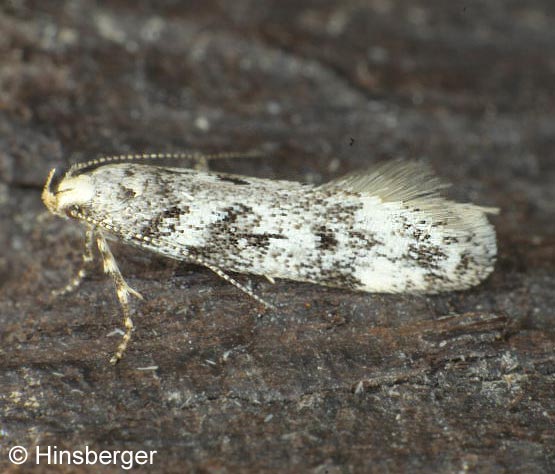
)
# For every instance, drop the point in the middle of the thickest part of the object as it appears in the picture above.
(234, 282)
(270, 279)
(123, 291)
(86, 259)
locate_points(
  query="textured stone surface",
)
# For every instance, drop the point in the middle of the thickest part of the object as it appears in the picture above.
(333, 381)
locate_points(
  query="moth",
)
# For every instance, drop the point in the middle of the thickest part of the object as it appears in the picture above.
(386, 229)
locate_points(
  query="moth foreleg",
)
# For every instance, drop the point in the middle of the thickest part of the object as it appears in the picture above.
(86, 259)
(123, 291)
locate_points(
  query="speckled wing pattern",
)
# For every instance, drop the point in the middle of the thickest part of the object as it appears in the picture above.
(383, 230)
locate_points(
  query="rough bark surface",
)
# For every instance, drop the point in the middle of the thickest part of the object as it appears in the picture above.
(333, 381)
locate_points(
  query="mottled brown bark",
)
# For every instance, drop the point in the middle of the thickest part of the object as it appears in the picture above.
(333, 381)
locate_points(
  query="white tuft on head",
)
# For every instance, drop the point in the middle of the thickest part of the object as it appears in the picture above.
(71, 191)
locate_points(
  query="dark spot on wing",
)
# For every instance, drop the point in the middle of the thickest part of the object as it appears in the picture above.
(366, 238)
(341, 276)
(128, 193)
(260, 240)
(427, 256)
(175, 212)
(327, 238)
(232, 213)
(464, 263)
(159, 226)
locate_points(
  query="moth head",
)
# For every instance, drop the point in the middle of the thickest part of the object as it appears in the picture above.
(69, 191)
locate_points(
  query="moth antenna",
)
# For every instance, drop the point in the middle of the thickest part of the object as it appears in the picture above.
(199, 157)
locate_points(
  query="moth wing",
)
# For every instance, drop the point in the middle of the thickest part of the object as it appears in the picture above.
(398, 181)
(392, 181)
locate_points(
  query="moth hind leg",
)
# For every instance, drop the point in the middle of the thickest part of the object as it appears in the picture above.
(123, 291)
(234, 282)
(86, 260)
